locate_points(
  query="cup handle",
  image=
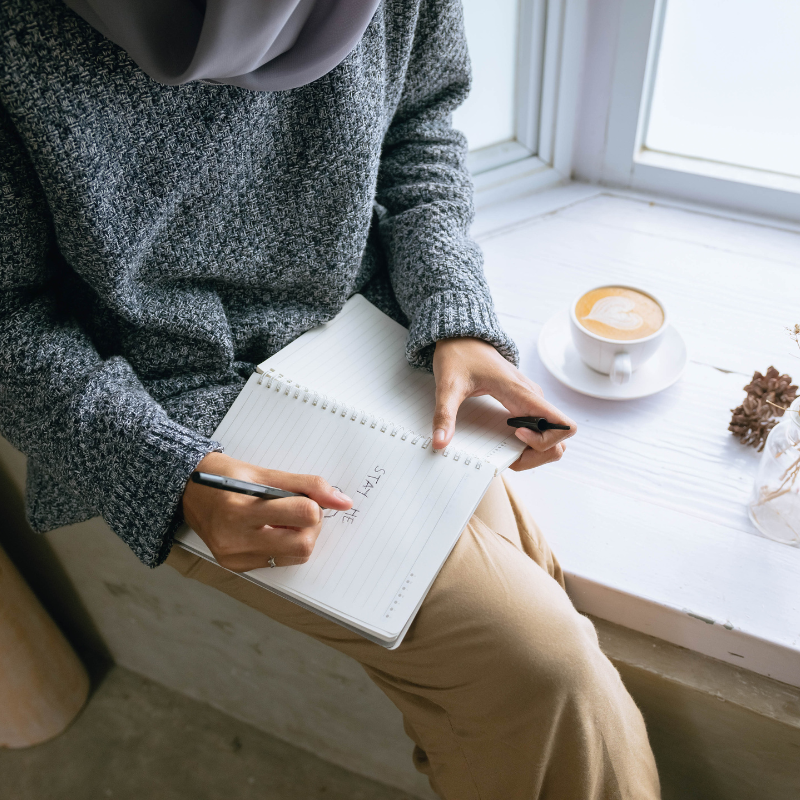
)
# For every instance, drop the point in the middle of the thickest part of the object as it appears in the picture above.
(621, 369)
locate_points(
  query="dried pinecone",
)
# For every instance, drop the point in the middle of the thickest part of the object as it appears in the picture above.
(767, 396)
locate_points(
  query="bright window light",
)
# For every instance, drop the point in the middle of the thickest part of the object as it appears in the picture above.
(487, 117)
(727, 84)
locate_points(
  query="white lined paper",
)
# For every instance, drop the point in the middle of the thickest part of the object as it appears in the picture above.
(359, 357)
(372, 573)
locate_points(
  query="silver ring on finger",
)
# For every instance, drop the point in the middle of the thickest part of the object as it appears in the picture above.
(271, 562)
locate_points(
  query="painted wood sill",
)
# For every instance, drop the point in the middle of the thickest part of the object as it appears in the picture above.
(647, 509)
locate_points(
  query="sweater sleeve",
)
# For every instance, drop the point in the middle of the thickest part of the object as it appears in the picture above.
(85, 420)
(424, 194)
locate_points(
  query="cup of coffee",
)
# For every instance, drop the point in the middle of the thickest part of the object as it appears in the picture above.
(617, 328)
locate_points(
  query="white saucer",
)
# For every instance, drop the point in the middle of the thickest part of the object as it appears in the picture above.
(561, 358)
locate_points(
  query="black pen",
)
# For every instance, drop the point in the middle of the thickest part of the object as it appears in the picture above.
(536, 424)
(241, 487)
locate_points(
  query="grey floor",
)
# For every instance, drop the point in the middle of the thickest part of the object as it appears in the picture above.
(136, 740)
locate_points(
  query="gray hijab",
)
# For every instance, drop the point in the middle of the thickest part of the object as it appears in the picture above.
(266, 45)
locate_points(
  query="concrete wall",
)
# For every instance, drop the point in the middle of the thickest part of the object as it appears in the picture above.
(719, 733)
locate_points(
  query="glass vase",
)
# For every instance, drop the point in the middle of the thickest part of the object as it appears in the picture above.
(775, 504)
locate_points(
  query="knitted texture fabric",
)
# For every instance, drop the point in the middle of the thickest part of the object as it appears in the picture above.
(158, 241)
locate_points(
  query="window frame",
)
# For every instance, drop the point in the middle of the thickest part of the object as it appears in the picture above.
(627, 163)
(548, 74)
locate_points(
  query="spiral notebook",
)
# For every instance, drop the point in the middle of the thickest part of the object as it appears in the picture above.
(341, 401)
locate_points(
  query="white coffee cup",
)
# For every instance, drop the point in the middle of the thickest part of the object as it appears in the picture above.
(617, 358)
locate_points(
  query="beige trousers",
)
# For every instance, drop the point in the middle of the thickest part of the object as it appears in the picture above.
(501, 682)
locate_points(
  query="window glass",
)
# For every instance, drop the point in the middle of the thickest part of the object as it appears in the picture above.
(727, 84)
(487, 116)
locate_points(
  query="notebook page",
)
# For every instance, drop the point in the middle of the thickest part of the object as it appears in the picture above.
(360, 356)
(372, 565)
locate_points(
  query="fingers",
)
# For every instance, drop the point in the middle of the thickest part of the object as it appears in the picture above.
(285, 529)
(450, 394)
(242, 551)
(244, 532)
(533, 458)
(522, 400)
(291, 512)
(545, 440)
(469, 367)
(313, 486)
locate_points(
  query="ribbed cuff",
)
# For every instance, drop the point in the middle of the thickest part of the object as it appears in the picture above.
(188, 459)
(141, 491)
(452, 315)
(145, 508)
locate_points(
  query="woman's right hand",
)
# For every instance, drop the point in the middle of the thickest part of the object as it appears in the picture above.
(244, 532)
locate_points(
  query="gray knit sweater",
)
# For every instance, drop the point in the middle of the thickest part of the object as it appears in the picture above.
(158, 241)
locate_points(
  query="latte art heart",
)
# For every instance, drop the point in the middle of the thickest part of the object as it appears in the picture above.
(619, 312)
(616, 312)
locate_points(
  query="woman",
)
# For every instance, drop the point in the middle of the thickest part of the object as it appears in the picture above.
(186, 187)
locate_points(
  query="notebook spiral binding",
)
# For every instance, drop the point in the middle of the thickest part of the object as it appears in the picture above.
(280, 383)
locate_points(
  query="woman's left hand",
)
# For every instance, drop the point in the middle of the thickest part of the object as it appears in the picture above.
(469, 368)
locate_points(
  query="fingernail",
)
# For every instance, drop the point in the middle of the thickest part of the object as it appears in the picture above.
(342, 496)
(438, 437)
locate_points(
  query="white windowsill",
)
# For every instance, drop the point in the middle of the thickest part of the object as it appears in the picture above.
(495, 156)
(646, 511)
(501, 184)
(715, 169)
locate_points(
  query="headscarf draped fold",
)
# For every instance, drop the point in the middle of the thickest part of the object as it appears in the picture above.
(265, 45)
